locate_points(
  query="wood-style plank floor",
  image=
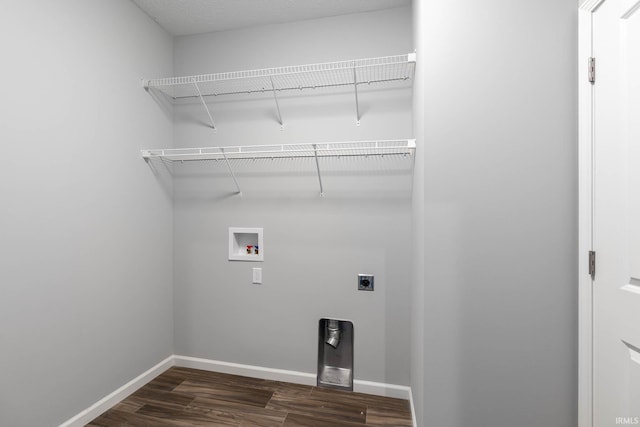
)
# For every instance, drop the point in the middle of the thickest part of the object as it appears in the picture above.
(190, 397)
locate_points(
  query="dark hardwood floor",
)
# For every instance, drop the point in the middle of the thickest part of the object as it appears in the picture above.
(189, 397)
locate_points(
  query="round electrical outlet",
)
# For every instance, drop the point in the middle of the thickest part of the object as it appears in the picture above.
(365, 282)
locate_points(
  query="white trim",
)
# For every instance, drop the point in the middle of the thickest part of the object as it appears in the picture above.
(296, 377)
(413, 409)
(245, 370)
(109, 401)
(632, 11)
(631, 288)
(585, 220)
(382, 389)
(591, 5)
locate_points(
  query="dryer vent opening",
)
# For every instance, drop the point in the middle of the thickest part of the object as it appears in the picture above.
(335, 354)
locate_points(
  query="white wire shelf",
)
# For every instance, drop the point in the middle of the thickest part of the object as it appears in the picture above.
(387, 70)
(322, 149)
(399, 68)
(379, 148)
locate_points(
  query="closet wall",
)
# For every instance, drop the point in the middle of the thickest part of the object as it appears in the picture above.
(500, 215)
(314, 247)
(418, 264)
(85, 226)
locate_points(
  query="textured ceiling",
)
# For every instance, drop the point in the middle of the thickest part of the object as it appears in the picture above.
(183, 17)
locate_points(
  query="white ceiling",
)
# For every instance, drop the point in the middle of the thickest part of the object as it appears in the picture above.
(183, 17)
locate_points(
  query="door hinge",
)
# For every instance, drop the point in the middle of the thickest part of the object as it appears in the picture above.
(592, 264)
(592, 70)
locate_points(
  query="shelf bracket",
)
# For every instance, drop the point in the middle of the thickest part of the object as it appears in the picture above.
(233, 175)
(275, 98)
(204, 104)
(315, 153)
(355, 87)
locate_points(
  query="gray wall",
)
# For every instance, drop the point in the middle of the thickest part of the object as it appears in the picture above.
(417, 214)
(314, 247)
(500, 214)
(86, 246)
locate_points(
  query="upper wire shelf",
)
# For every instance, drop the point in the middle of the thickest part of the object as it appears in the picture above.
(405, 147)
(388, 69)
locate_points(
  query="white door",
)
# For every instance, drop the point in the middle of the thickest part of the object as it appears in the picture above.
(616, 214)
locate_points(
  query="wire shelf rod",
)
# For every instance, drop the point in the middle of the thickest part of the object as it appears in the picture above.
(204, 104)
(355, 88)
(233, 175)
(275, 98)
(298, 88)
(315, 151)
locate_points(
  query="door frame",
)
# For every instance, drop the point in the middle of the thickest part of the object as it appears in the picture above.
(586, 164)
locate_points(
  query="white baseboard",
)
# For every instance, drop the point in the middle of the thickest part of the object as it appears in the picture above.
(305, 378)
(413, 409)
(382, 389)
(109, 401)
(246, 370)
(296, 377)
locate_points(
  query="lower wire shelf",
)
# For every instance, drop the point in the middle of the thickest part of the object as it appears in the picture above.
(375, 148)
(321, 149)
